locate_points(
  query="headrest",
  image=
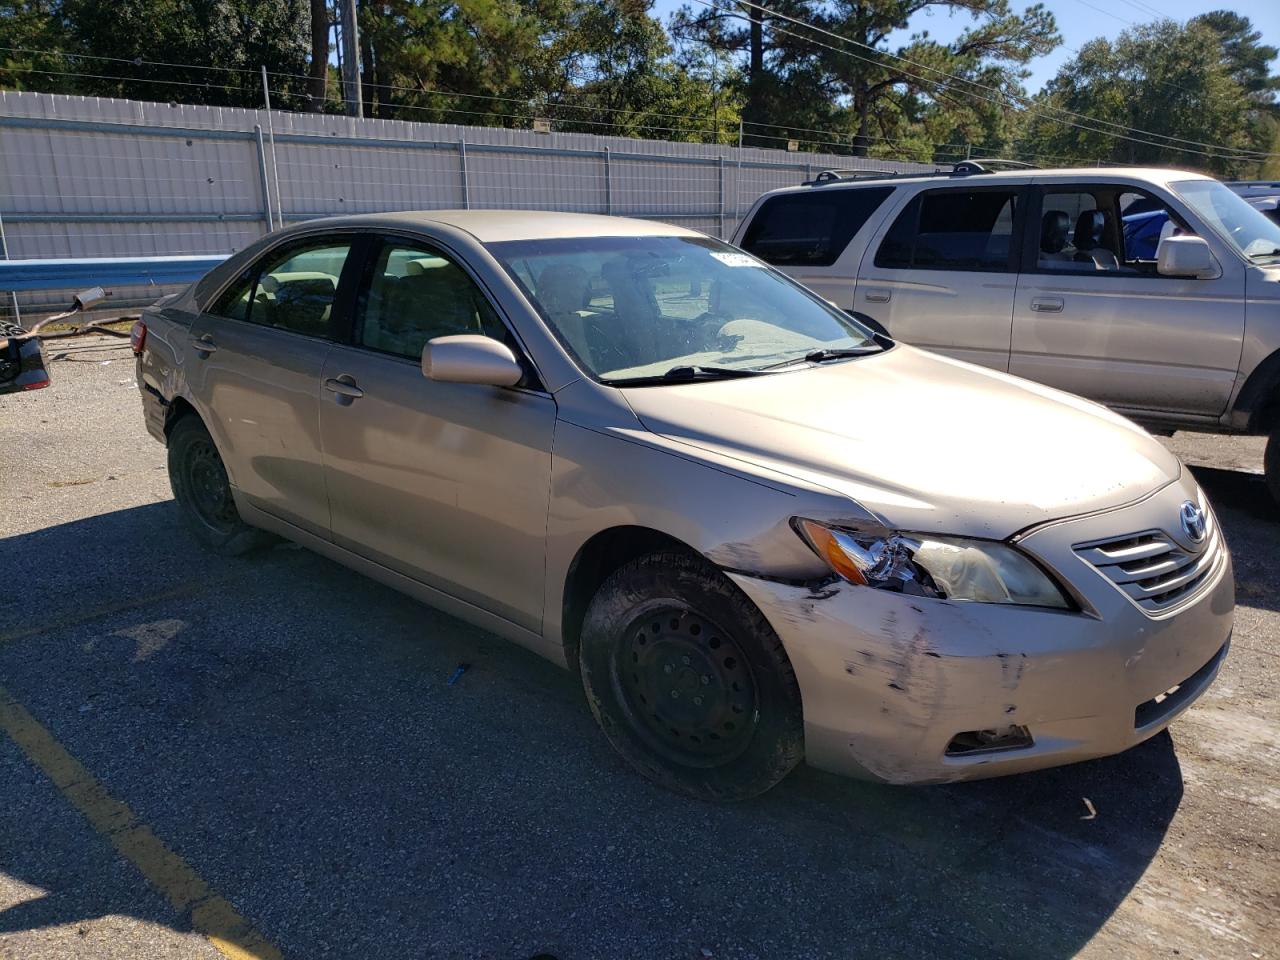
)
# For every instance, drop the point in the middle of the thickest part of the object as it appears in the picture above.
(414, 268)
(1054, 226)
(1089, 226)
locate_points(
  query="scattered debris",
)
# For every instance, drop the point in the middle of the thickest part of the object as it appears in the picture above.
(1089, 806)
(457, 674)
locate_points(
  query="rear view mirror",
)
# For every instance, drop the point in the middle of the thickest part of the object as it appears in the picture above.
(1186, 257)
(469, 358)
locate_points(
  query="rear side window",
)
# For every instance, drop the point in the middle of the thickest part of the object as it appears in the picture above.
(294, 289)
(810, 229)
(952, 230)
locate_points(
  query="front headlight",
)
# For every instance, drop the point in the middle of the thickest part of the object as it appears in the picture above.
(927, 566)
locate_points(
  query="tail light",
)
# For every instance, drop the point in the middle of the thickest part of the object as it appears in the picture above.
(36, 385)
(138, 337)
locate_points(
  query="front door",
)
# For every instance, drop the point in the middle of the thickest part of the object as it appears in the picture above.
(1094, 317)
(446, 483)
(942, 275)
(256, 357)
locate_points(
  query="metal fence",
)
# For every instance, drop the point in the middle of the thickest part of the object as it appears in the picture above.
(93, 177)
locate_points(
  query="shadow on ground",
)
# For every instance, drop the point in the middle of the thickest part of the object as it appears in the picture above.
(287, 727)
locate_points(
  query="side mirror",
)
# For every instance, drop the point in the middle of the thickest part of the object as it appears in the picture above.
(469, 358)
(1186, 257)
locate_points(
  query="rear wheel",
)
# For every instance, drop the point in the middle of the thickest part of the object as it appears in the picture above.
(688, 681)
(203, 492)
(1271, 462)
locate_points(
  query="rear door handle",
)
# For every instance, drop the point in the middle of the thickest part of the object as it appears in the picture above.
(204, 346)
(878, 296)
(345, 389)
(1046, 304)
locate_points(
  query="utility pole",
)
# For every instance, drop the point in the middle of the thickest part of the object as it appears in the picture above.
(350, 58)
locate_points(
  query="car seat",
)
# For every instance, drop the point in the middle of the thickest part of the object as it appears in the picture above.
(1091, 241)
(1055, 226)
(562, 292)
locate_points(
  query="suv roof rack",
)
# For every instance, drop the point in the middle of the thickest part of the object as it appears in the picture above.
(964, 168)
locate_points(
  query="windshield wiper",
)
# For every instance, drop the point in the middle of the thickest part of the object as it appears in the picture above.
(685, 374)
(825, 354)
(1269, 253)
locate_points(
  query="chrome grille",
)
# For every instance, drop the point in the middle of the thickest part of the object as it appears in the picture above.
(1154, 570)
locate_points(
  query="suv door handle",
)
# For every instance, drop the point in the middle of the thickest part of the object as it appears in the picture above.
(878, 296)
(344, 388)
(1046, 304)
(203, 346)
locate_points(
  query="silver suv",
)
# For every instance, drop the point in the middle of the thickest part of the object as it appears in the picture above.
(1156, 292)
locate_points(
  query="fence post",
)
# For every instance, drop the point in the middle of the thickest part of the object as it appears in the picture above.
(462, 163)
(720, 167)
(608, 183)
(271, 134)
(262, 173)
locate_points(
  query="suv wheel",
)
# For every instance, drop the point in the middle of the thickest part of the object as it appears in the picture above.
(200, 486)
(688, 681)
(1271, 462)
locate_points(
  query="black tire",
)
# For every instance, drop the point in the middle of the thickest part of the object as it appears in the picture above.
(1271, 464)
(688, 681)
(199, 482)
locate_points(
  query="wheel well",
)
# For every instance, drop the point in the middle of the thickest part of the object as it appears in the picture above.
(178, 408)
(1259, 398)
(597, 559)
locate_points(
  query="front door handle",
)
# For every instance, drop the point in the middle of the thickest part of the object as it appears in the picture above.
(344, 389)
(878, 296)
(1046, 304)
(203, 346)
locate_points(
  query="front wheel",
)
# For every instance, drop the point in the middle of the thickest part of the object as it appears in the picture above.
(688, 681)
(200, 485)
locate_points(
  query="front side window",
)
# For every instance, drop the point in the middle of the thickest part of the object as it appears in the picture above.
(415, 295)
(811, 229)
(292, 289)
(630, 308)
(1231, 218)
(952, 230)
(1078, 232)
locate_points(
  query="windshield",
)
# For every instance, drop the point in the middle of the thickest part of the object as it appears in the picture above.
(1244, 227)
(631, 308)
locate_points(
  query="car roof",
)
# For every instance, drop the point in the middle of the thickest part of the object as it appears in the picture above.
(496, 226)
(1161, 175)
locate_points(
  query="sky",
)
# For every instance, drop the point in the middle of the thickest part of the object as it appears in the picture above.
(1079, 21)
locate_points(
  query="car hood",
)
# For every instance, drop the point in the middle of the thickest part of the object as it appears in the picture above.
(927, 443)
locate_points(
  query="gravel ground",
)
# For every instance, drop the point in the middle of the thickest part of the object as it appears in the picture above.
(287, 728)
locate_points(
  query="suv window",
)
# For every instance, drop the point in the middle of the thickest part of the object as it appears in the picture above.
(952, 230)
(1102, 228)
(414, 295)
(811, 229)
(292, 289)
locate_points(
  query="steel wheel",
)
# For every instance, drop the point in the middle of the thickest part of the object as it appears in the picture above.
(206, 481)
(687, 686)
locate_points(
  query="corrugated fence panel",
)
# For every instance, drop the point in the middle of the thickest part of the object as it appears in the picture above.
(86, 177)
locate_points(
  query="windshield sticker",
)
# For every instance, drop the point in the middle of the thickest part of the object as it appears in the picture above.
(735, 259)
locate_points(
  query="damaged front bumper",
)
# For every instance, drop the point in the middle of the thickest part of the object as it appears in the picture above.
(903, 689)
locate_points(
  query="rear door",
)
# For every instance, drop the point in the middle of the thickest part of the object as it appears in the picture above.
(805, 234)
(254, 365)
(942, 273)
(1103, 323)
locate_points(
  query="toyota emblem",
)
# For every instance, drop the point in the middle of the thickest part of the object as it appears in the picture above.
(1193, 522)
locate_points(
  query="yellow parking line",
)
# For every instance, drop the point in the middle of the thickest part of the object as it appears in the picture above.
(211, 914)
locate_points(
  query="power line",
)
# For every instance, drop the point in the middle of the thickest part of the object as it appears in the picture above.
(1216, 151)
